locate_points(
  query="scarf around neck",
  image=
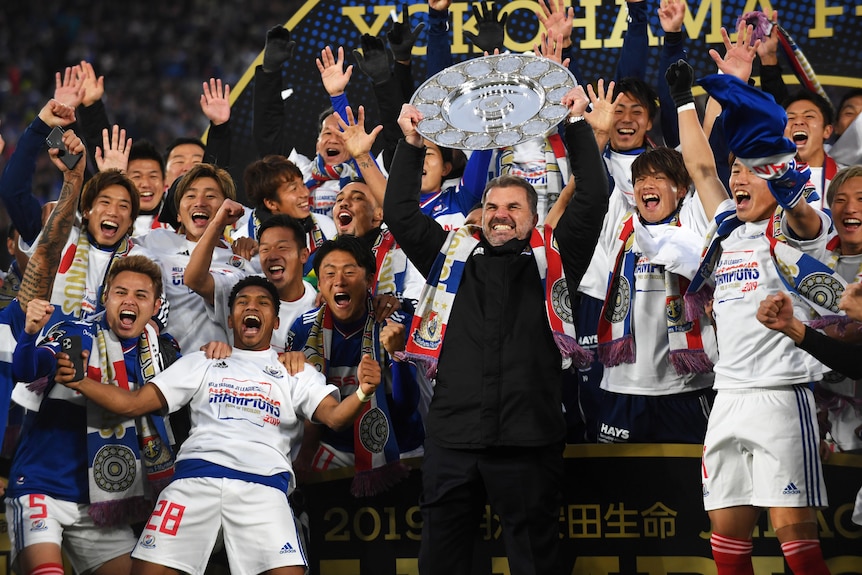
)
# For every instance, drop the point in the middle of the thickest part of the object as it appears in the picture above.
(425, 338)
(377, 457)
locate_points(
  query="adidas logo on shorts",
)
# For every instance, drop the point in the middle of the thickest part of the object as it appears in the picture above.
(287, 549)
(791, 489)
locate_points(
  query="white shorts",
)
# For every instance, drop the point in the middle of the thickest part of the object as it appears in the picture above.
(42, 519)
(761, 449)
(256, 521)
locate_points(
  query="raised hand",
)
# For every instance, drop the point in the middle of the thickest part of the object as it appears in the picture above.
(601, 117)
(557, 19)
(68, 87)
(215, 101)
(332, 72)
(372, 60)
(368, 374)
(439, 5)
(551, 48)
(74, 145)
(392, 337)
(356, 141)
(768, 49)
(491, 27)
(402, 38)
(92, 85)
(408, 119)
(671, 14)
(278, 49)
(576, 101)
(680, 78)
(114, 153)
(738, 57)
(38, 313)
(56, 113)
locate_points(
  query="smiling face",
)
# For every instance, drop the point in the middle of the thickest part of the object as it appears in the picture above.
(281, 257)
(291, 199)
(110, 216)
(355, 212)
(344, 285)
(754, 201)
(130, 302)
(434, 169)
(805, 126)
(847, 215)
(656, 196)
(198, 205)
(329, 145)
(181, 159)
(506, 215)
(253, 317)
(148, 178)
(631, 124)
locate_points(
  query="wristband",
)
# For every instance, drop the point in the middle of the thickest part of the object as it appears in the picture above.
(574, 119)
(688, 106)
(362, 396)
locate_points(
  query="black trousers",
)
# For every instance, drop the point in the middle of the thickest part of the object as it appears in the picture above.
(523, 486)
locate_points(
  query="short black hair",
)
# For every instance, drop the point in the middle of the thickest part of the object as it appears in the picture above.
(145, 150)
(254, 281)
(284, 221)
(184, 140)
(854, 93)
(824, 105)
(358, 248)
(638, 90)
(665, 160)
(323, 116)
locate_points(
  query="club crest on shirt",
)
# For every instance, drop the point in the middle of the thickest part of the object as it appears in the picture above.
(273, 371)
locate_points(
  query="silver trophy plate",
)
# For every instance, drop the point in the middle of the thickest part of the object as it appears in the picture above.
(493, 101)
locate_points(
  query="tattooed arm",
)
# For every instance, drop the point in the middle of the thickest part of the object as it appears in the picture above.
(40, 271)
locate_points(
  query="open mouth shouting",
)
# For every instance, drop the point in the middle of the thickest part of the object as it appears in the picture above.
(799, 137)
(341, 300)
(742, 197)
(275, 272)
(109, 228)
(200, 218)
(344, 218)
(251, 324)
(128, 318)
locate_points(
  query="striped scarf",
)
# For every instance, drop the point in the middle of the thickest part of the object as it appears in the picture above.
(321, 172)
(615, 333)
(71, 280)
(377, 458)
(115, 445)
(425, 338)
(818, 285)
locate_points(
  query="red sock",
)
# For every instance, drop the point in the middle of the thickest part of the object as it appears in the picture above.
(732, 556)
(48, 569)
(805, 557)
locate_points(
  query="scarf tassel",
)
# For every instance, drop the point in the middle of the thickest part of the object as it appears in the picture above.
(425, 362)
(568, 346)
(619, 351)
(690, 361)
(840, 322)
(373, 481)
(696, 302)
(40, 386)
(121, 511)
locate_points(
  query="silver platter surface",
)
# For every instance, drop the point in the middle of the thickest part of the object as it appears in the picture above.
(493, 101)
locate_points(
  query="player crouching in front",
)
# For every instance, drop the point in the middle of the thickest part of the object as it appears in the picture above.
(234, 471)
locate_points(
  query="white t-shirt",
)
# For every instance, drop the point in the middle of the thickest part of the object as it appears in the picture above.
(750, 354)
(247, 412)
(652, 372)
(288, 311)
(191, 321)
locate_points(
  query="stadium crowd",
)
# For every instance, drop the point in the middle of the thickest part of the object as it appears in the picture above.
(178, 356)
